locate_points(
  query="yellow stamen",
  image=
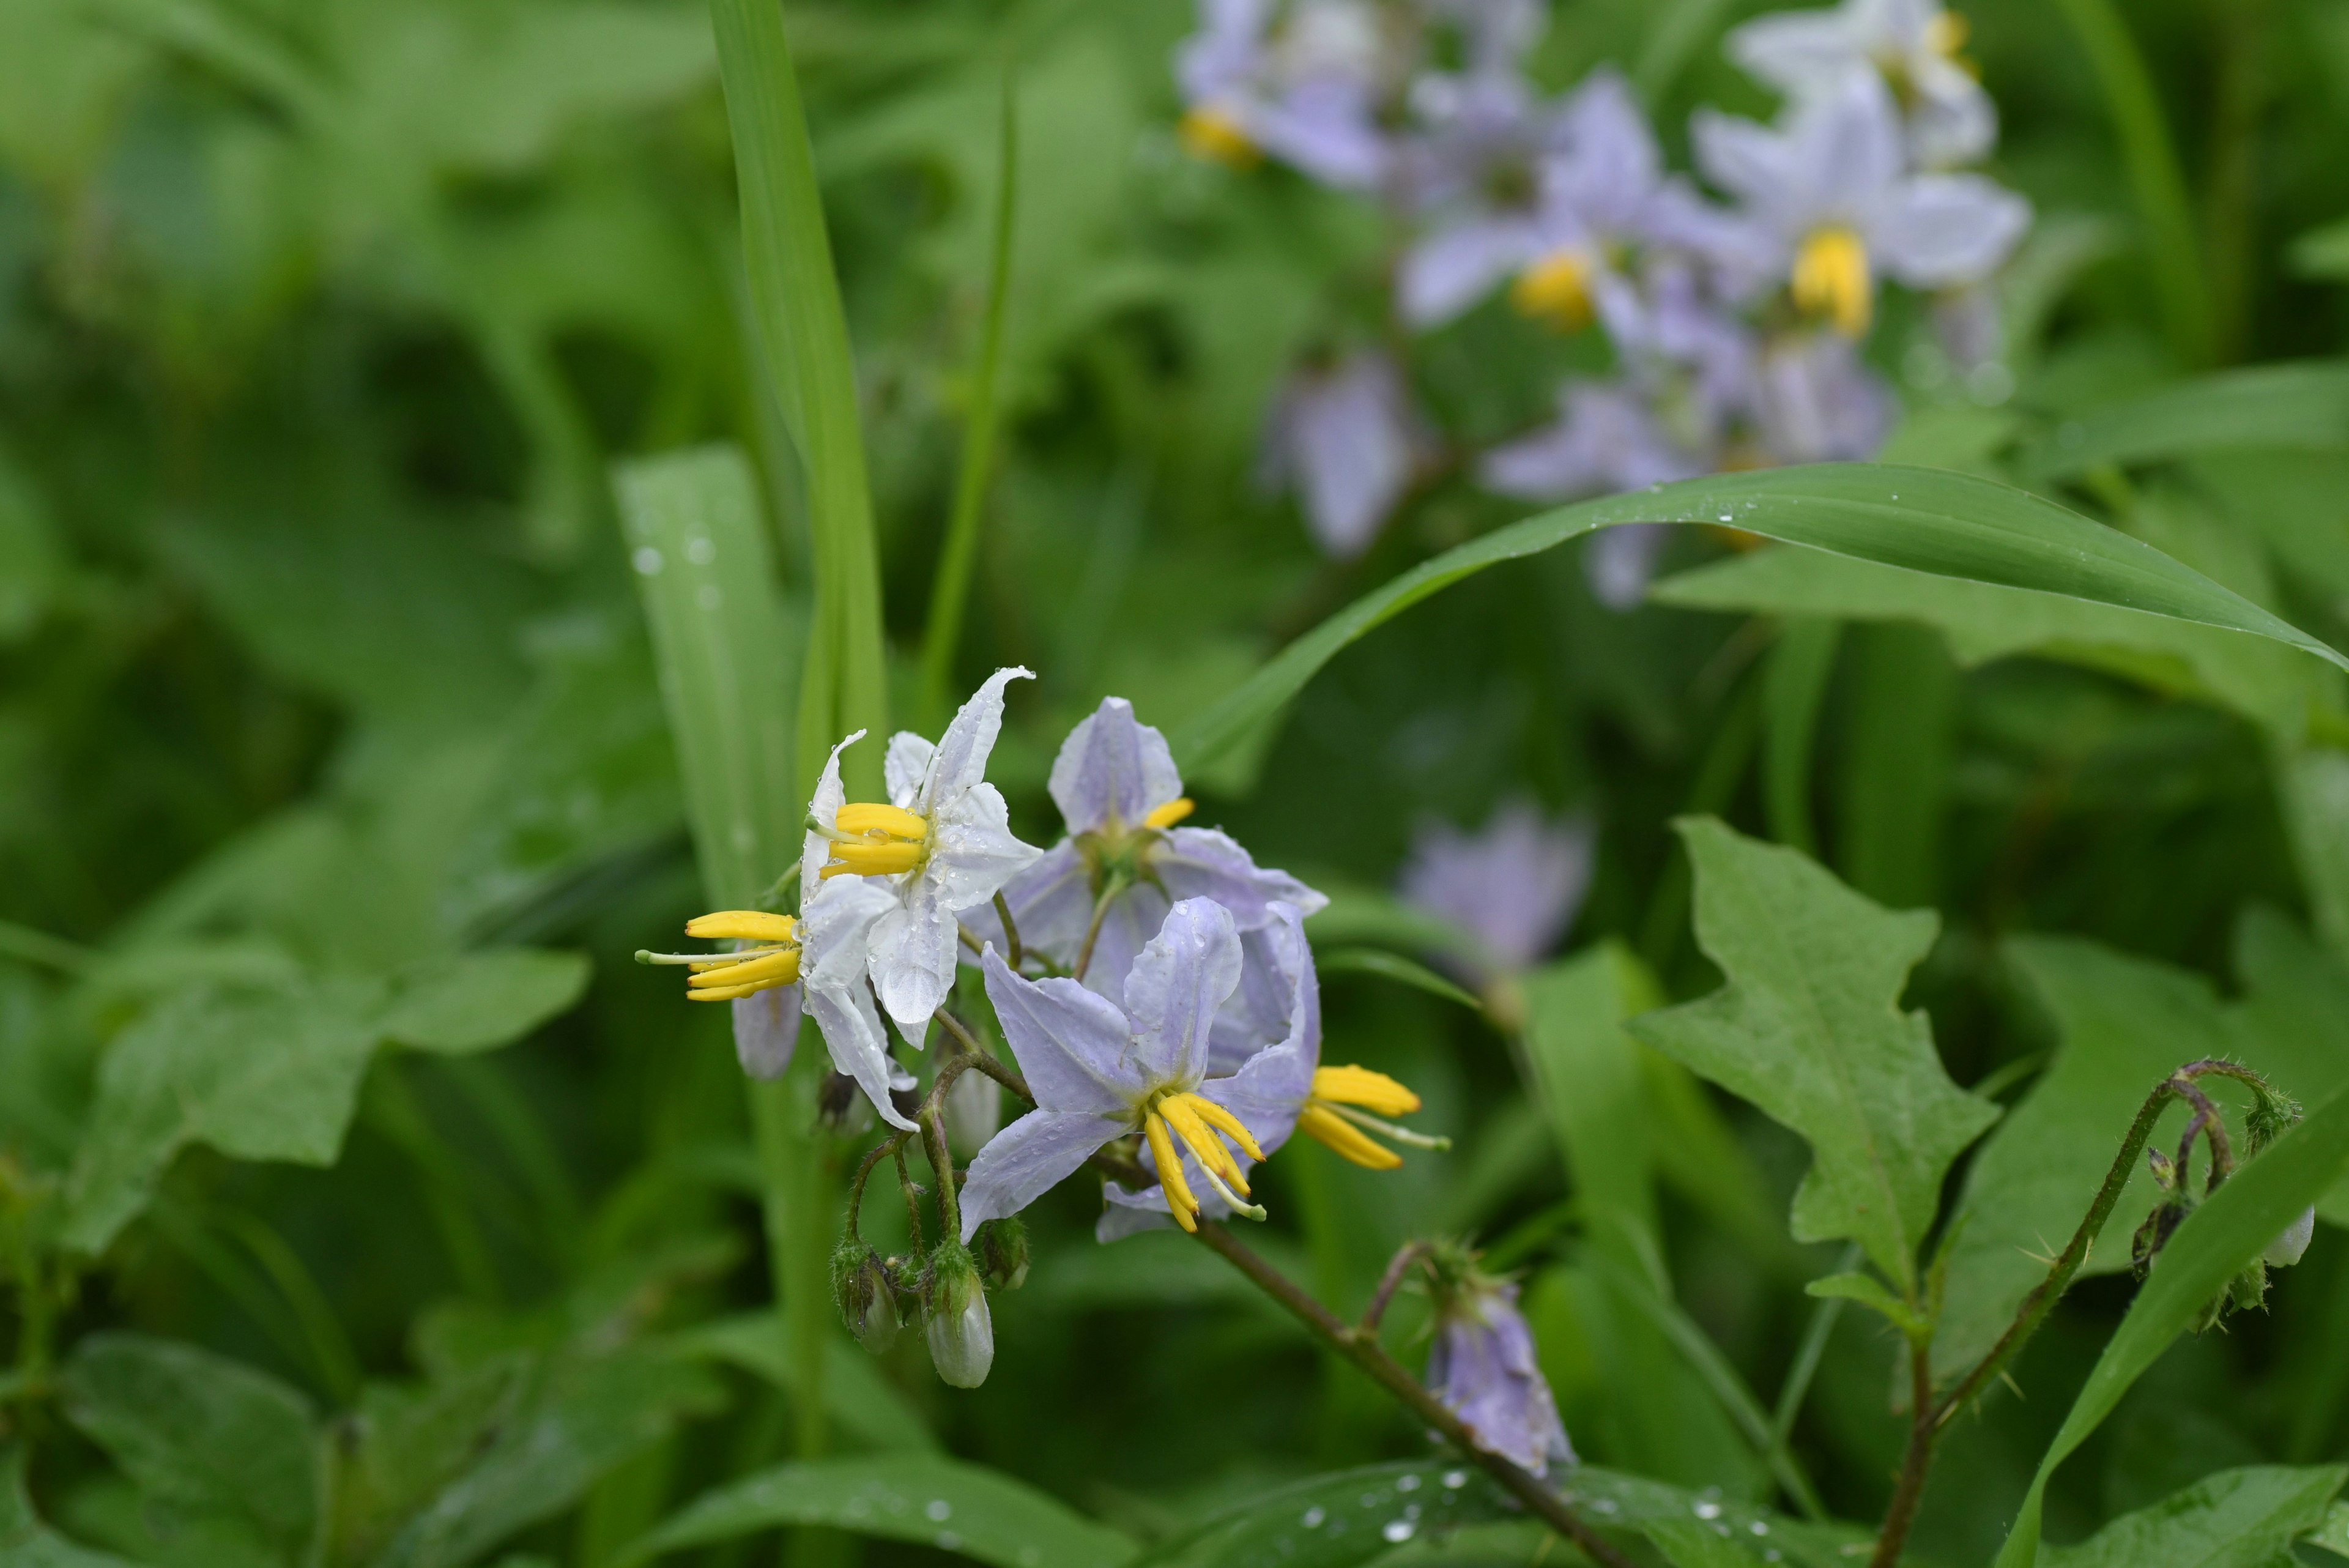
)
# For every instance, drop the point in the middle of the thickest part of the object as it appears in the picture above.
(1182, 1115)
(1217, 135)
(768, 968)
(748, 925)
(872, 859)
(724, 993)
(1831, 278)
(1216, 1117)
(1361, 1087)
(1179, 1202)
(1327, 1127)
(1555, 289)
(861, 817)
(1173, 812)
(1945, 34)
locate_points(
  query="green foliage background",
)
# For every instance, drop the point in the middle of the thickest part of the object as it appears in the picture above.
(363, 1205)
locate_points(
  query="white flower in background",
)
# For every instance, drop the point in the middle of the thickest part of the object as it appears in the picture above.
(1818, 402)
(1515, 884)
(1301, 82)
(1344, 436)
(1832, 198)
(1912, 46)
(942, 843)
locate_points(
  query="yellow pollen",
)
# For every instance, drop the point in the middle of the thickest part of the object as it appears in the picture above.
(884, 859)
(1217, 135)
(750, 925)
(1831, 280)
(1173, 812)
(1555, 289)
(1182, 1118)
(1179, 1202)
(1326, 1126)
(863, 819)
(761, 970)
(1361, 1087)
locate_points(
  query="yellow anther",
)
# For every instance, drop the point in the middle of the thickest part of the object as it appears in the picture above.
(863, 817)
(1216, 1117)
(1173, 812)
(724, 993)
(1555, 289)
(1217, 135)
(1326, 1127)
(1831, 278)
(1182, 1114)
(1945, 34)
(885, 859)
(767, 969)
(1179, 1202)
(1361, 1087)
(748, 925)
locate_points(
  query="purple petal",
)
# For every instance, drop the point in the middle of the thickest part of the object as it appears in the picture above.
(1346, 438)
(1269, 1088)
(1113, 769)
(1073, 1046)
(1945, 229)
(1515, 884)
(1052, 901)
(1030, 1158)
(1204, 863)
(1178, 982)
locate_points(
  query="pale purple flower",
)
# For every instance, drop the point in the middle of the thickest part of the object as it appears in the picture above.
(1300, 81)
(1346, 438)
(1483, 1369)
(1911, 45)
(1099, 1071)
(1122, 800)
(766, 1028)
(1604, 440)
(1838, 173)
(1817, 403)
(1515, 884)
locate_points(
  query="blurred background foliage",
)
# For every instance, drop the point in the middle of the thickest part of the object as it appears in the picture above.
(321, 669)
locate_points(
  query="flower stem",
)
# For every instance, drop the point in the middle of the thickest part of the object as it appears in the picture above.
(1365, 1352)
(1398, 1267)
(933, 1140)
(1110, 889)
(1011, 932)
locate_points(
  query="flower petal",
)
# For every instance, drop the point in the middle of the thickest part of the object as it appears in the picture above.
(1945, 229)
(912, 957)
(824, 808)
(1269, 1088)
(766, 1028)
(902, 770)
(1074, 1047)
(972, 852)
(960, 760)
(1206, 863)
(1052, 901)
(1112, 768)
(1178, 982)
(1030, 1158)
(852, 1037)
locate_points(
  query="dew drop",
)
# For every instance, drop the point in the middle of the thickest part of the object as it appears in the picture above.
(1605, 1505)
(1370, 1500)
(1454, 1479)
(1398, 1531)
(647, 560)
(709, 595)
(1758, 1528)
(1772, 1554)
(1313, 1517)
(1411, 1513)
(1406, 1483)
(938, 1509)
(701, 551)
(1724, 517)
(1707, 1508)
(948, 1541)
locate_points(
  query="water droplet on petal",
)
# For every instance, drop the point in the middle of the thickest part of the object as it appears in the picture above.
(939, 1509)
(1313, 1517)
(648, 561)
(1398, 1531)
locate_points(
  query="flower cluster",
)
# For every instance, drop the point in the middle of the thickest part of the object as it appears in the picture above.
(1735, 327)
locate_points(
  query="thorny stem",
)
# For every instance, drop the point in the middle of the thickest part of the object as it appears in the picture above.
(1924, 1428)
(1011, 932)
(1399, 1265)
(2207, 1121)
(933, 1140)
(1365, 1352)
(881, 1151)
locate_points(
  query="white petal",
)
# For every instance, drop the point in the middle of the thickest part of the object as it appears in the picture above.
(1945, 229)
(766, 1028)
(826, 809)
(1030, 1158)
(913, 958)
(961, 761)
(907, 763)
(1073, 1046)
(972, 852)
(1180, 979)
(852, 1034)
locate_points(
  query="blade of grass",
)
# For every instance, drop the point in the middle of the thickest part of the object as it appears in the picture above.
(1794, 688)
(952, 586)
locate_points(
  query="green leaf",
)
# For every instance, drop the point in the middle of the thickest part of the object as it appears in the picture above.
(1688, 1543)
(1869, 1291)
(477, 1001)
(1796, 684)
(2322, 251)
(1926, 520)
(2288, 1026)
(863, 1401)
(2303, 406)
(203, 1437)
(961, 1508)
(1336, 1521)
(2313, 790)
(2123, 1025)
(2236, 1518)
(1809, 1028)
(25, 1541)
(31, 564)
(2250, 674)
(794, 294)
(257, 1076)
(2226, 1232)
(2334, 1533)
(1397, 967)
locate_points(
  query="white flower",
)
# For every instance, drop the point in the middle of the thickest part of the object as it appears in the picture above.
(1912, 45)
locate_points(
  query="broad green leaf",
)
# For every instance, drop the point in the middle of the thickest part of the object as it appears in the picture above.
(2303, 406)
(2333, 1535)
(1809, 1028)
(2322, 251)
(2124, 1025)
(1949, 525)
(1868, 1292)
(1394, 967)
(2312, 791)
(2225, 1233)
(477, 1001)
(1899, 734)
(865, 1403)
(2289, 1026)
(795, 295)
(961, 1508)
(1692, 1543)
(1982, 622)
(203, 1437)
(1336, 1521)
(257, 1076)
(2236, 1518)
(25, 1541)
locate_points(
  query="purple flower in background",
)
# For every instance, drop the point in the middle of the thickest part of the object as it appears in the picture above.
(1301, 82)
(1832, 200)
(1604, 440)
(1819, 403)
(1476, 178)
(1911, 45)
(1515, 884)
(1483, 1369)
(1346, 438)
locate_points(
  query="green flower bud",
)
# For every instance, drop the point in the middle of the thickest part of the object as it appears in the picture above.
(954, 1317)
(860, 1287)
(1002, 1247)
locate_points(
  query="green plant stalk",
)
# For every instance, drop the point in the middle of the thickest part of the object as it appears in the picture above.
(951, 587)
(797, 1219)
(2245, 29)
(1794, 687)
(2155, 183)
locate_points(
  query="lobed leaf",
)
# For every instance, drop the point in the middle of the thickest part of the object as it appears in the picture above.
(2245, 1517)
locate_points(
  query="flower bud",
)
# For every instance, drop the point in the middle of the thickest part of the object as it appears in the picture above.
(1002, 1248)
(840, 1106)
(861, 1289)
(2287, 1248)
(974, 1110)
(956, 1320)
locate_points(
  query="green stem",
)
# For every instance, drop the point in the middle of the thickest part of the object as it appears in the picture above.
(1110, 889)
(782, 1114)
(951, 587)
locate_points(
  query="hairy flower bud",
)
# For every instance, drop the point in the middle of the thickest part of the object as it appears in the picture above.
(954, 1316)
(2287, 1248)
(861, 1289)
(1001, 1246)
